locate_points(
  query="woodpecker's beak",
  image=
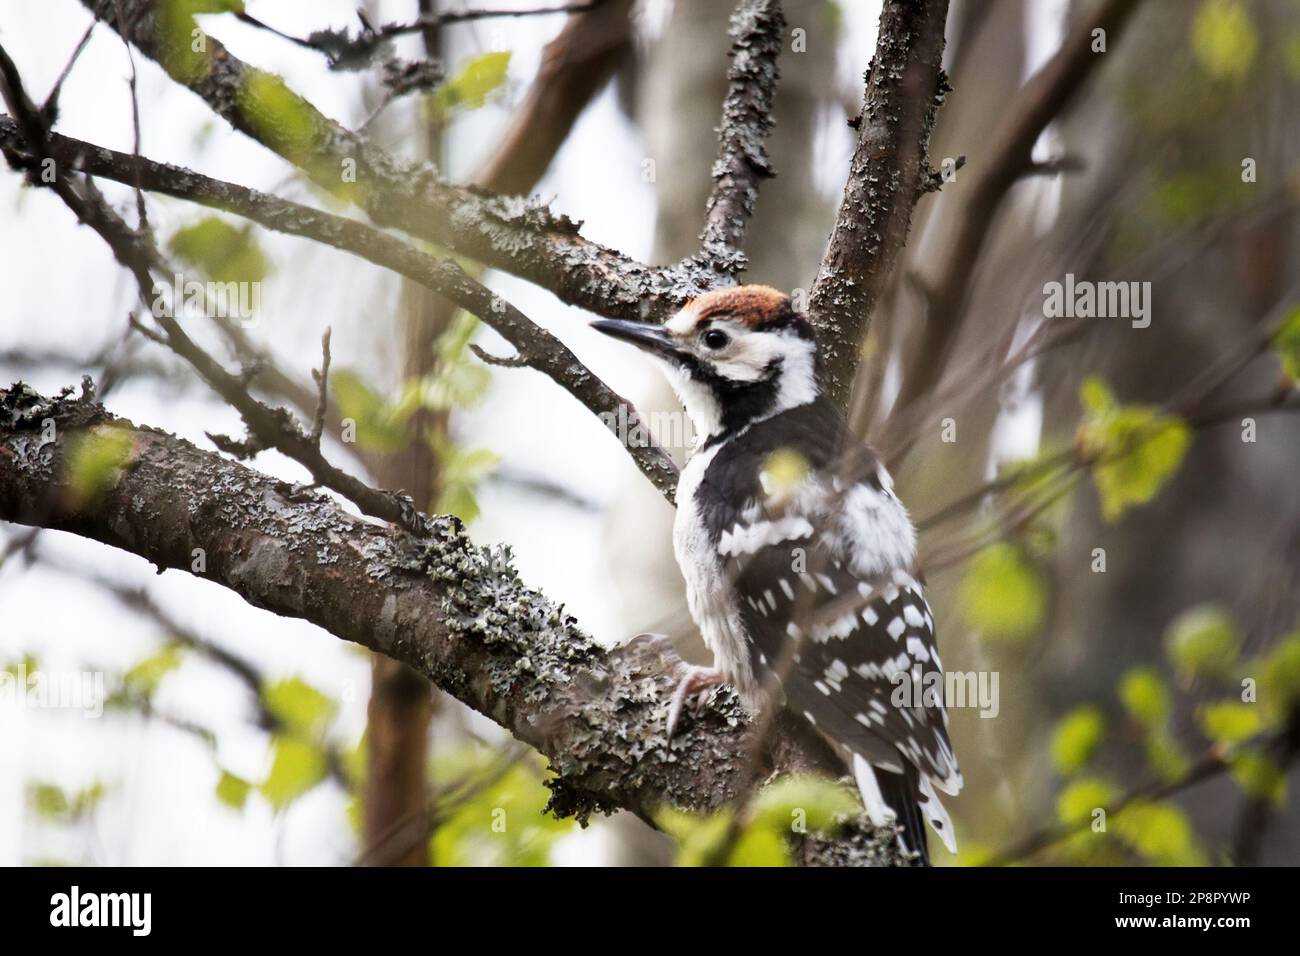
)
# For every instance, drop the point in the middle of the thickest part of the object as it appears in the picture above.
(652, 338)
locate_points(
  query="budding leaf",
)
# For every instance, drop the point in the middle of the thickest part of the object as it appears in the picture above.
(1135, 449)
(1076, 738)
(1002, 595)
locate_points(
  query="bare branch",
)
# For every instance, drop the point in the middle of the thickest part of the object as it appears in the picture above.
(346, 51)
(322, 383)
(992, 175)
(890, 167)
(575, 66)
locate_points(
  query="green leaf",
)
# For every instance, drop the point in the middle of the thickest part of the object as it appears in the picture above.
(296, 768)
(814, 801)
(1224, 39)
(1145, 696)
(381, 427)
(146, 674)
(1076, 738)
(1095, 396)
(22, 666)
(1286, 344)
(698, 836)
(1135, 450)
(221, 251)
(97, 459)
(1161, 833)
(473, 83)
(460, 379)
(760, 846)
(462, 472)
(48, 800)
(1260, 777)
(1002, 595)
(1203, 642)
(214, 6)
(1084, 795)
(1165, 756)
(301, 707)
(1230, 722)
(52, 802)
(1280, 677)
(233, 791)
(501, 824)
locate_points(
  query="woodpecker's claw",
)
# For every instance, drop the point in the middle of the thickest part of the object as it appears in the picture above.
(698, 680)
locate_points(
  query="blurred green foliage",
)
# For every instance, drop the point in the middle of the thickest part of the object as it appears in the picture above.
(1002, 594)
(1076, 738)
(145, 675)
(787, 807)
(1135, 449)
(488, 811)
(1224, 39)
(95, 461)
(1204, 648)
(1146, 697)
(301, 707)
(233, 790)
(1286, 345)
(296, 767)
(381, 424)
(221, 251)
(1202, 642)
(469, 87)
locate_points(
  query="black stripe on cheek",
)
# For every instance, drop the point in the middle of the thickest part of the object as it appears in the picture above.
(739, 402)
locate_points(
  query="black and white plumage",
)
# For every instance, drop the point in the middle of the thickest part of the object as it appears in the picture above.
(796, 554)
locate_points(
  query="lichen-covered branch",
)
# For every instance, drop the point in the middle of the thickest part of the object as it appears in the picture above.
(456, 613)
(757, 29)
(889, 171)
(508, 233)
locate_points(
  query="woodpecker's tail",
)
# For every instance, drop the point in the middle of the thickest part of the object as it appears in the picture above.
(891, 799)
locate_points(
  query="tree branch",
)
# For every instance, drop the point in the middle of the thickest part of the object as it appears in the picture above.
(507, 233)
(890, 167)
(757, 32)
(456, 613)
(544, 351)
(1005, 162)
(575, 66)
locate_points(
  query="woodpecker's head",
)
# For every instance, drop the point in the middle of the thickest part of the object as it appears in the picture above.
(733, 356)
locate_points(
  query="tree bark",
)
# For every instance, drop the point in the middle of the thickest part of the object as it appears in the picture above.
(455, 613)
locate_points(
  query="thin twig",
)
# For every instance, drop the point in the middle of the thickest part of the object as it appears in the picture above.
(442, 275)
(322, 382)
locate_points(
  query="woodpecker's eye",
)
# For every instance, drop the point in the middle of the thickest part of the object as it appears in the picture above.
(715, 338)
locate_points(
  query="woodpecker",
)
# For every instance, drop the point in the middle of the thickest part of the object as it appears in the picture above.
(798, 555)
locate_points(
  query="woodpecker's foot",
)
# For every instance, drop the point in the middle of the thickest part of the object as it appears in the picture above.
(698, 680)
